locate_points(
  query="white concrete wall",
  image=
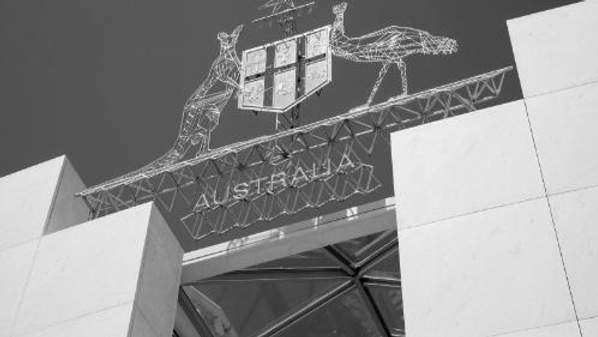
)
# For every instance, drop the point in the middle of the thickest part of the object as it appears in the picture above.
(497, 216)
(115, 276)
(32, 201)
(39, 200)
(556, 49)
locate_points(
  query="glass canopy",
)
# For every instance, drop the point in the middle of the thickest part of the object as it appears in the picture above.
(349, 289)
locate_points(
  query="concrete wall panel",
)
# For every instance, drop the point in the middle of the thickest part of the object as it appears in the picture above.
(38, 200)
(589, 327)
(85, 269)
(140, 326)
(127, 258)
(556, 49)
(564, 126)
(25, 201)
(569, 329)
(484, 274)
(464, 164)
(68, 210)
(160, 278)
(576, 218)
(113, 322)
(15, 265)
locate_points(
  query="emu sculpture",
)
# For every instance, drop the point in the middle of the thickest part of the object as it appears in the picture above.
(387, 46)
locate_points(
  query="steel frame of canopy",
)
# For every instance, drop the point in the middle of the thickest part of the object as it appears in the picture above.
(200, 189)
(353, 275)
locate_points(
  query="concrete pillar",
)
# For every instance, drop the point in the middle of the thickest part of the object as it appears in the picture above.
(556, 59)
(477, 246)
(32, 202)
(496, 209)
(39, 200)
(114, 276)
(556, 49)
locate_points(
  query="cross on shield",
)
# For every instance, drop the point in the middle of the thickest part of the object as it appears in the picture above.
(279, 75)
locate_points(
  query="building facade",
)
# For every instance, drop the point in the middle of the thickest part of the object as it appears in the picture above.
(493, 219)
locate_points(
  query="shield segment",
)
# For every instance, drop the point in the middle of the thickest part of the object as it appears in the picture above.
(279, 75)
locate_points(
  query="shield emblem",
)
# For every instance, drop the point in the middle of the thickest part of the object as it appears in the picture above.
(279, 75)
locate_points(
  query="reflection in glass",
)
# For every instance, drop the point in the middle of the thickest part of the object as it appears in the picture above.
(345, 316)
(360, 248)
(349, 289)
(252, 305)
(212, 313)
(313, 258)
(388, 267)
(389, 301)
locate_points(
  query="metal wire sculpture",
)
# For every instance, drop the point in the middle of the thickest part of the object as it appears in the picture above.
(285, 13)
(356, 133)
(201, 113)
(278, 5)
(388, 46)
(301, 167)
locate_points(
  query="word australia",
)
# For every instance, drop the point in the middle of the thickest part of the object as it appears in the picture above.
(285, 175)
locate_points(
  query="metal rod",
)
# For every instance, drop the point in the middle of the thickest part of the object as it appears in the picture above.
(372, 308)
(305, 128)
(343, 261)
(379, 238)
(308, 309)
(275, 274)
(381, 281)
(377, 256)
(198, 322)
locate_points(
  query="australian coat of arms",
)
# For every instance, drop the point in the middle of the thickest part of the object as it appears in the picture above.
(278, 76)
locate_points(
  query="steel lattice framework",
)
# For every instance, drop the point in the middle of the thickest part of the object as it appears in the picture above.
(286, 172)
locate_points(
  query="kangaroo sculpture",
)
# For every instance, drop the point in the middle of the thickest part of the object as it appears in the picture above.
(201, 113)
(388, 46)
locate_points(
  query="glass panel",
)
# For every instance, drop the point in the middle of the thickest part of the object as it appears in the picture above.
(387, 267)
(253, 305)
(360, 248)
(345, 316)
(212, 313)
(389, 301)
(311, 259)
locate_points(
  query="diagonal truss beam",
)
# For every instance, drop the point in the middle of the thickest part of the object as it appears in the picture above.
(277, 274)
(334, 153)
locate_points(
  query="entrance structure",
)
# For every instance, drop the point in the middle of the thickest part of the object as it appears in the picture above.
(496, 238)
(344, 264)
